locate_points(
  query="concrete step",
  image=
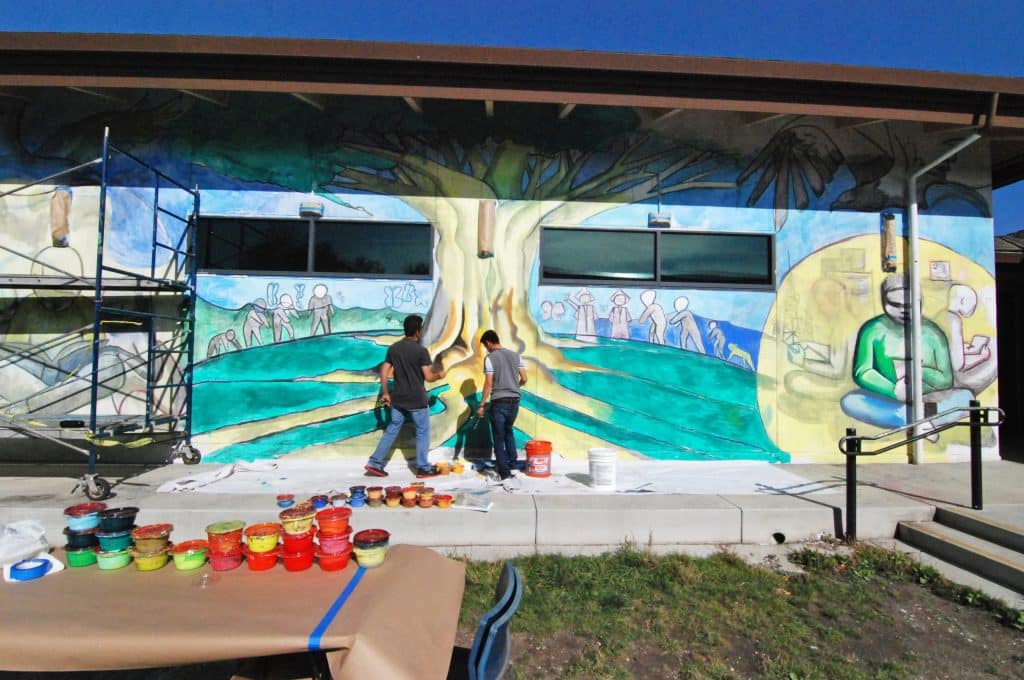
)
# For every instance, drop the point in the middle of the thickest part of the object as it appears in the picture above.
(983, 525)
(961, 576)
(989, 560)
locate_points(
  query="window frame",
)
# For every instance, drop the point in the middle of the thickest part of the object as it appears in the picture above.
(311, 225)
(769, 285)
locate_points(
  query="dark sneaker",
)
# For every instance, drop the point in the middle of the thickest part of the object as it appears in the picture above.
(431, 471)
(374, 471)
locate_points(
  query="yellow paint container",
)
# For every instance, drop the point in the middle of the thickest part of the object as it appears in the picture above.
(368, 558)
(153, 560)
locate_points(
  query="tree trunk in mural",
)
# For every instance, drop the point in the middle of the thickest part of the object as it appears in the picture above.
(528, 189)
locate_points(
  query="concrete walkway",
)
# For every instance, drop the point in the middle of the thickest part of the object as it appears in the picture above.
(572, 524)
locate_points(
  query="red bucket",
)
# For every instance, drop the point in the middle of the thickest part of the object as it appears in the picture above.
(538, 458)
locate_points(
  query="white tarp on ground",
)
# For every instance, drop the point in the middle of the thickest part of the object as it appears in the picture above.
(302, 477)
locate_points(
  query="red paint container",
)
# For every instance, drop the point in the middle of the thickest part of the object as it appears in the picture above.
(335, 562)
(225, 537)
(297, 561)
(262, 537)
(331, 544)
(261, 561)
(334, 521)
(226, 562)
(294, 543)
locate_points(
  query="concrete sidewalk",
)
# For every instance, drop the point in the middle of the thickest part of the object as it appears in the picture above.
(572, 524)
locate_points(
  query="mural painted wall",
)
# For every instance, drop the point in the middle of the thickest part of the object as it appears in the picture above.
(286, 365)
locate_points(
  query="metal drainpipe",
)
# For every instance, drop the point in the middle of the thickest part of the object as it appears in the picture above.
(915, 288)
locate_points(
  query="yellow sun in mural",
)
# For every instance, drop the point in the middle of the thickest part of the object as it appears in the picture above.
(806, 390)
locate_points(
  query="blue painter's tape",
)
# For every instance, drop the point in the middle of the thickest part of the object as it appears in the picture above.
(321, 628)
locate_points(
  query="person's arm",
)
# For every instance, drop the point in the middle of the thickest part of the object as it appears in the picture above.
(431, 374)
(385, 374)
(865, 373)
(522, 372)
(936, 367)
(488, 386)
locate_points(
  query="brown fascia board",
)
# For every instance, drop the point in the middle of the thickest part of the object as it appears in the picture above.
(504, 74)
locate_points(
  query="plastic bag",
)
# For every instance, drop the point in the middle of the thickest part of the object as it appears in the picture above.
(21, 540)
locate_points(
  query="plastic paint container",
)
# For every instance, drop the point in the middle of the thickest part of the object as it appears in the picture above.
(368, 558)
(261, 561)
(334, 543)
(409, 492)
(114, 559)
(262, 537)
(357, 490)
(190, 554)
(319, 502)
(443, 500)
(152, 537)
(118, 519)
(602, 468)
(426, 501)
(458, 467)
(334, 520)
(83, 516)
(225, 562)
(368, 538)
(538, 458)
(81, 539)
(408, 502)
(153, 560)
(294, 543)
(80, 557)
(339, 500)
(297, 561)
(393, 501)
(335, 562)
(225, 537)
(114, 540)
(297, 520)
(357, 501)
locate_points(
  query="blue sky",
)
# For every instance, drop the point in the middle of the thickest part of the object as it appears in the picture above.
(943, 35)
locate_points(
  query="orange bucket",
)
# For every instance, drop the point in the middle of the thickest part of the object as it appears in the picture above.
(538, 458)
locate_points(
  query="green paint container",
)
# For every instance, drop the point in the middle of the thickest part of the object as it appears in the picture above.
(81, 557)
(114, 559)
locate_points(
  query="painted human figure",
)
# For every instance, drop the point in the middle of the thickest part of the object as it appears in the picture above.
(222, 343)
(654, 313)
(586, 317)
(619, 315)
(973, 365)
(688, 330)
(320, 306)
(717, 338)
(880, 364)
(282, 316)
(557, 311)
(255, 320)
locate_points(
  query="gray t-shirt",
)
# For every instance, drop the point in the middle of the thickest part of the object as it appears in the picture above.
(505, 365)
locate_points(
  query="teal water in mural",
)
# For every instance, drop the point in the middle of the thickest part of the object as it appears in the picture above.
(327, 432)
(220, 404)
(666, 403)
(654, 395)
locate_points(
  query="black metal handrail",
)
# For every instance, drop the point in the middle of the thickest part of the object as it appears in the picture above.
(850, 446)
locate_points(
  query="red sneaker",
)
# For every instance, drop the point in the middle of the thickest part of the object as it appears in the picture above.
(374, 472)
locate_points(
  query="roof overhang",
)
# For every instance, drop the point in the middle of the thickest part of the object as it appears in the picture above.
(312, 69)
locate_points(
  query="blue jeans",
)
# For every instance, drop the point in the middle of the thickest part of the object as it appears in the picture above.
(503, 418)
(421, 420)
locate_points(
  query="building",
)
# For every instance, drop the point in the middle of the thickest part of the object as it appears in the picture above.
(698, 258)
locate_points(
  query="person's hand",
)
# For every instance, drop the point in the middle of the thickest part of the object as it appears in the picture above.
(480, 410)
(385, 400)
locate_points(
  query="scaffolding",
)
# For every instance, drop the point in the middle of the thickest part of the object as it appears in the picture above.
(92, 392)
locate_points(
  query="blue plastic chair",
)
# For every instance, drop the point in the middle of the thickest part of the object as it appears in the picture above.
(488, 659)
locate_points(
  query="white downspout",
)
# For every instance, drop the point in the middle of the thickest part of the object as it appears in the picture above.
(917, 386)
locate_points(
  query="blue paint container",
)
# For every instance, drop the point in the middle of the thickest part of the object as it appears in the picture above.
(114, 540)
(26, 570)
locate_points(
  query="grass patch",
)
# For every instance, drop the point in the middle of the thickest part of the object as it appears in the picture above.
(635, 614)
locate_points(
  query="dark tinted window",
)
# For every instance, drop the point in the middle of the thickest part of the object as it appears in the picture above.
(597, 254)
(258, 245)
(373, 248)
(716, 258)
(266, 245)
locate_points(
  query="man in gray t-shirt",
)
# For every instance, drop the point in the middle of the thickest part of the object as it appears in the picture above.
(504, 374)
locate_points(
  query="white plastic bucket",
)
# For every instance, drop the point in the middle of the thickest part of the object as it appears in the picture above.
(602, 468)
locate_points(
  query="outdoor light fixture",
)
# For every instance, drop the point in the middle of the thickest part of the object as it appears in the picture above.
(312, 208)
(659, 220)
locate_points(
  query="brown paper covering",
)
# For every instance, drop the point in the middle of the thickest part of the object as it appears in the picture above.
(400, 621)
